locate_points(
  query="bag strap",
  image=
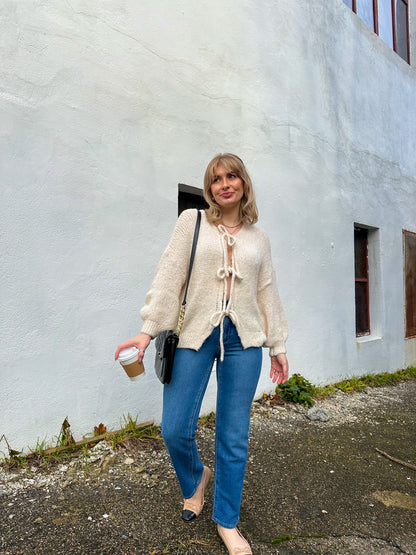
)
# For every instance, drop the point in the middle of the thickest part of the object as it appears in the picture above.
(191, 263)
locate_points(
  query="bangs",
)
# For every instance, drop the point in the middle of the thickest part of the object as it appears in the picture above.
(229, 165)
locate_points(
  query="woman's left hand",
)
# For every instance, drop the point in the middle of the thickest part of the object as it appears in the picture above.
(279, 371)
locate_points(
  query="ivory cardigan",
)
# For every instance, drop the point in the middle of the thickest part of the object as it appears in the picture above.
(254, 305)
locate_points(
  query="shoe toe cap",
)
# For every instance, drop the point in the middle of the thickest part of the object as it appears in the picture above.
(188, 515)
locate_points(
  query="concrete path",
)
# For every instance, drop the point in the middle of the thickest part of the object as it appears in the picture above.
(322, 485)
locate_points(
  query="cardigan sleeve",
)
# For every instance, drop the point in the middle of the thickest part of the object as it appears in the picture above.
(162, 304)
(270, 306)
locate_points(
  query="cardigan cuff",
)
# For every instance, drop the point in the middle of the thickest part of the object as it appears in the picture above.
(277, 349)
(151, 328)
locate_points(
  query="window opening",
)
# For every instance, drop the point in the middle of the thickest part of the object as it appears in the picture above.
(362, 294)
(190, 197)
(409, 247)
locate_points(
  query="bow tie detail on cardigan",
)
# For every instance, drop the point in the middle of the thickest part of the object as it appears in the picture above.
(229, 269)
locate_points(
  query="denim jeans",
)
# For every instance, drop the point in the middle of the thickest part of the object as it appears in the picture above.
(237, 378)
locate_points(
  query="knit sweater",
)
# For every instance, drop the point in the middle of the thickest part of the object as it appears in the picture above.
(254, 305)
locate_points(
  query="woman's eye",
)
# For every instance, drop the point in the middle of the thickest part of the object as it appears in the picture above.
(215, 180)
(231, 175)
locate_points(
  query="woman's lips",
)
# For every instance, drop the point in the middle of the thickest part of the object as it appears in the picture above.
(226, 195)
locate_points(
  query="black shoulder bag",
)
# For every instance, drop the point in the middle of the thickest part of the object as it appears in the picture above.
(167, 341)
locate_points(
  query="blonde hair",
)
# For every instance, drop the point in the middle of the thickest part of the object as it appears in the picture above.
(248, 209)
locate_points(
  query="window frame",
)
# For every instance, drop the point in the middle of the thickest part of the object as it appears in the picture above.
(365, 280)
(393, 10)
(411, 333)
(393, 22)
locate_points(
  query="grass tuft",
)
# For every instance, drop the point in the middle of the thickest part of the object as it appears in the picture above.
(367, 380)
(131, 429)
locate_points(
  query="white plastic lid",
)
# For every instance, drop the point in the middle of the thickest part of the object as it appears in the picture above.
(127, 354)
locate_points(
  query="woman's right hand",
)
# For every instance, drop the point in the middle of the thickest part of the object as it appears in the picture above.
(141, 341)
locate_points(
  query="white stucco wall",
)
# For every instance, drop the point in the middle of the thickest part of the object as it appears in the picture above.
(105, 107)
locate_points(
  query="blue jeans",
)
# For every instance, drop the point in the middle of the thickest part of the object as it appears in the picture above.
(237, 378)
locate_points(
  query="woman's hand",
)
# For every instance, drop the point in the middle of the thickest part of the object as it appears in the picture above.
(141, 341)
(279, 371)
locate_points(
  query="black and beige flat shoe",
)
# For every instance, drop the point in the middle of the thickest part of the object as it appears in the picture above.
(192, 507)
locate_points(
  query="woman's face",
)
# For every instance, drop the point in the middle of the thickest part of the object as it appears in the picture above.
(227, 188)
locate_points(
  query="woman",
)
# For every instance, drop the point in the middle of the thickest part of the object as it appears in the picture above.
(233, 309)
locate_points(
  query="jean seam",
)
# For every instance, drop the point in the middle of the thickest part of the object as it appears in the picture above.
(217, 472)
(217, 466)
(191, 425)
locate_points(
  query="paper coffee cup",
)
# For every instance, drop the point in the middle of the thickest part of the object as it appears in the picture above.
(128, 358)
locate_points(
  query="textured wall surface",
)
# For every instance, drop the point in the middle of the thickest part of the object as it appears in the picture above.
(105, 107)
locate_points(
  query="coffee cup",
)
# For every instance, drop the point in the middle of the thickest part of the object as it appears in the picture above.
(128, 358)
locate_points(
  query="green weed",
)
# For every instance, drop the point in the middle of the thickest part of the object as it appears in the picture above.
(352, 384)
(297, 389)
(65, 436)
(367, 380)
(323, 391)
